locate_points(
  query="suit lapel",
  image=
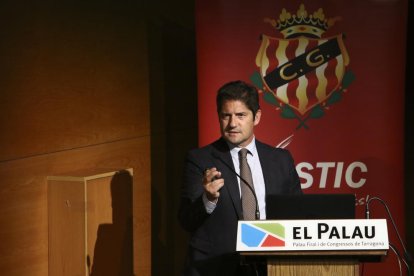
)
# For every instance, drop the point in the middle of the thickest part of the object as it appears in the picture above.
(224, 163)
(266, 164)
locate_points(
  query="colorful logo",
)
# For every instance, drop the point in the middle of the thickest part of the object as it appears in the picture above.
(263, 234)
(303, 73)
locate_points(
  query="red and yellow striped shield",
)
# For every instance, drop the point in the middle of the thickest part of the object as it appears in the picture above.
(302, 72)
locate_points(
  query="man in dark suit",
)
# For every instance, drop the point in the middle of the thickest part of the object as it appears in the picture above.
(211, 197)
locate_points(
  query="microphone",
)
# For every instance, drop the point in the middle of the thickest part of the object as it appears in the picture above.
(407, 257)
(242, 180)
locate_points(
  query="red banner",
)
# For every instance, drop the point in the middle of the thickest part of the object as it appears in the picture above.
(331, 81)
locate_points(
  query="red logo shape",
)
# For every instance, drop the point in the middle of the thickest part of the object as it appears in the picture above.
(271, 241)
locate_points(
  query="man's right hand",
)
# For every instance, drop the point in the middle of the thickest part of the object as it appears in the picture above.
(212, 183)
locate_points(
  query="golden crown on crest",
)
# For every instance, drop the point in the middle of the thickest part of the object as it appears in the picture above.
(302, 24)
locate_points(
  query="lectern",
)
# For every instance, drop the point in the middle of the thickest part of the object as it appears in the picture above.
(313, 247)
(308, 263)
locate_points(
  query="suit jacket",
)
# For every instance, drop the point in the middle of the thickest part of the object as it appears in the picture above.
(212, 243)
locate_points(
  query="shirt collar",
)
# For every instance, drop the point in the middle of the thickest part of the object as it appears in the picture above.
(234, 150)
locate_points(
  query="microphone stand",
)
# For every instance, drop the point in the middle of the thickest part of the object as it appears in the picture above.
(406, 257)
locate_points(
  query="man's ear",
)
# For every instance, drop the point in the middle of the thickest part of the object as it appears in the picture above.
(257, 117)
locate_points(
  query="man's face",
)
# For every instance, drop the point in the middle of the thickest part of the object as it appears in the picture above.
(237, 123)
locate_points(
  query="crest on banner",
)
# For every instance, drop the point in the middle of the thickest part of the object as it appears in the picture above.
(303, 72)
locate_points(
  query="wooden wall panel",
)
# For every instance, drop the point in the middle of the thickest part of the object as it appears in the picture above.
(66, 228)
(74, 95)
(23, 200)
(90, 223)
(72, 74)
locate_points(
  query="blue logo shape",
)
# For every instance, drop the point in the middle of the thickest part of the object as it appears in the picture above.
(251, 236)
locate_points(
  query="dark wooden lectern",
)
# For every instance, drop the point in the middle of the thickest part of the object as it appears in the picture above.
(309, 263)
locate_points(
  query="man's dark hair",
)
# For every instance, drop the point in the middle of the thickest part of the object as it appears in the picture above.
(238, 91)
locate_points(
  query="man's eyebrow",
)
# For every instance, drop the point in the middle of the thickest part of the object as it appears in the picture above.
(235, 113)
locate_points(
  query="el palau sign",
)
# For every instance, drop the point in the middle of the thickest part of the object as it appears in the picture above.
(298, 235)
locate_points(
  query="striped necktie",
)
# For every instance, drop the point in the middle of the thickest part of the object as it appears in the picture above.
(248, 199)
